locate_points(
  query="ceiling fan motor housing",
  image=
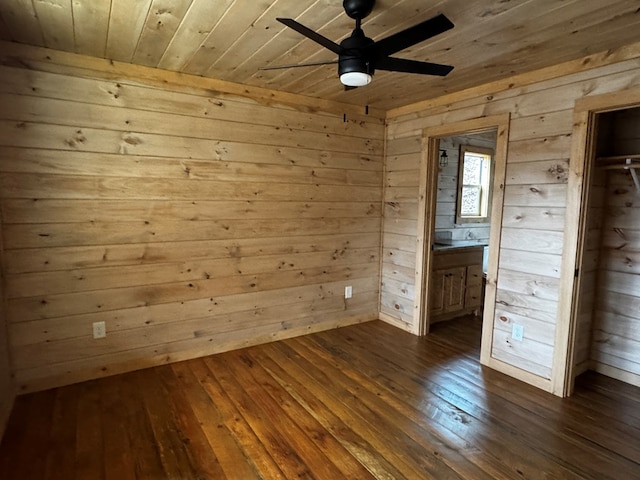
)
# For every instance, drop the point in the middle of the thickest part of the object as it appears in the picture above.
(354, 59)
(348, 64)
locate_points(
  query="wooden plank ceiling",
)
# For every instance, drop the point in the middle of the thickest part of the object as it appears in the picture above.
(231, 39)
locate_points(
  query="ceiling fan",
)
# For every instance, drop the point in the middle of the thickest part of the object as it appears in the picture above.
(359, 56)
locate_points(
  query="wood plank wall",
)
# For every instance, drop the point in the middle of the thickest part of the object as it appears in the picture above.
(190, 221)
(534, 206)
(400, 226)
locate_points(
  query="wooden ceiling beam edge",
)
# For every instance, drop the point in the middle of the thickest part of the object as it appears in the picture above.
(600, 59)
(15, 54)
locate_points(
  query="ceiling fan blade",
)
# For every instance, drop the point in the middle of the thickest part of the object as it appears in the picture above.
(295, 65)
(411, 66)
(412, 35)
(307, 32)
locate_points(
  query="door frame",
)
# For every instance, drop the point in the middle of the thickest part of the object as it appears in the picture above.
(585, 114)
(426, 216)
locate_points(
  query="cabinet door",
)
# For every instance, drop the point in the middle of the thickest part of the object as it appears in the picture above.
(455, 280)
(447, 290)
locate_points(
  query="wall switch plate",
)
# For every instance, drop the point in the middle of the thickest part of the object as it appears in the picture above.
(517, 333)
(348, 292)
(99, 330)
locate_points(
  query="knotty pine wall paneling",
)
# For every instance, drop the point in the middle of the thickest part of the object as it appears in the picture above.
(400, 226)
(541, 108)
(190, 220)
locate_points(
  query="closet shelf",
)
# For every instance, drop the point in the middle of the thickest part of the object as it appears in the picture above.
(619, 161)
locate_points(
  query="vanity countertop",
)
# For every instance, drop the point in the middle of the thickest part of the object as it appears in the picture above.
(454, 245)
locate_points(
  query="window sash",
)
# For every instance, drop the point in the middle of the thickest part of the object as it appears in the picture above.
(472, 202)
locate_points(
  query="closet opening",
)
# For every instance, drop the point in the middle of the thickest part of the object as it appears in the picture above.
(608, 306)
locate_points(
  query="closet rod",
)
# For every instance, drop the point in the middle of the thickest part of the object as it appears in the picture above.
(630, 163)
(619, 166)
(617, 159)
(622, 161)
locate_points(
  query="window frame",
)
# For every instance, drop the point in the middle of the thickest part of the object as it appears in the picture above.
(485, 195)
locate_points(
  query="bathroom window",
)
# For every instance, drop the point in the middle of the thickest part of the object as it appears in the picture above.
(474, 184)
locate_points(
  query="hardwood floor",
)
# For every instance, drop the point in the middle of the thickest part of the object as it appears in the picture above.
(360, 402)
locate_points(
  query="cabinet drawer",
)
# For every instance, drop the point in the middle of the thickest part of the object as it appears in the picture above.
(473, 296)
(474, 275)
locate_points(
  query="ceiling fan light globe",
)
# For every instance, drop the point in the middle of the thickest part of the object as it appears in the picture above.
(355, 79)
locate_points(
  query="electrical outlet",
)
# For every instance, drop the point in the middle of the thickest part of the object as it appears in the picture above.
(348, 291)
(99, 330)
(517, 333)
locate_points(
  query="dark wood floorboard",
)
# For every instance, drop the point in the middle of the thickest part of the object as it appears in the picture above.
(361, 402)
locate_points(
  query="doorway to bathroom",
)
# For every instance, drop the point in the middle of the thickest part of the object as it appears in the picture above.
(458, 246)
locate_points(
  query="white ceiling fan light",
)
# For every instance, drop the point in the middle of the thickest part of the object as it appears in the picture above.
(354, 71)
(355, 79)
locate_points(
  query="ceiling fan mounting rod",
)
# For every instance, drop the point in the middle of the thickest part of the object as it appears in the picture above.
(358, 9)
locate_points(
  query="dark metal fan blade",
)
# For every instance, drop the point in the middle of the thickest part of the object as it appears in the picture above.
(412, 35)
(411, 66)
(295, 65)
(307, 32)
